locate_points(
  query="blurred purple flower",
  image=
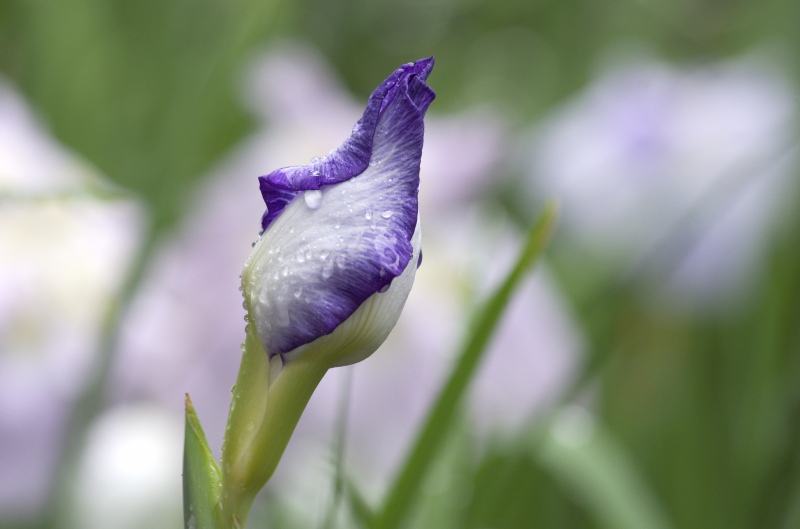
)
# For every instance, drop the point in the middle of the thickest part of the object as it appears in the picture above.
(648, 146)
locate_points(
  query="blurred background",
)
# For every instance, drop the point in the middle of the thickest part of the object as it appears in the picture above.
(647, 375)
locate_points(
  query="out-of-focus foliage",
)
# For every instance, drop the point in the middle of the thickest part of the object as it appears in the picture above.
(694, 414)
(144, 90)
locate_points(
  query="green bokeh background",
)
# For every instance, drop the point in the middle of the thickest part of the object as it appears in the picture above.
(699, 416)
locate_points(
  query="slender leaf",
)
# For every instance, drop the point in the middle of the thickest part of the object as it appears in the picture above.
(201, 477)
(403, 494)
(364, 514)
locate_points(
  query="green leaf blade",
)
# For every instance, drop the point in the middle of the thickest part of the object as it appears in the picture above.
(201, 477)
(599, 473)
(403, 493)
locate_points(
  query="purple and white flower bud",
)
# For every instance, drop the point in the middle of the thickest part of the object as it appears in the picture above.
(341, 242)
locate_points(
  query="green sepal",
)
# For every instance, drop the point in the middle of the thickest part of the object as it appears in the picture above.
(201, 477)
(267, 402)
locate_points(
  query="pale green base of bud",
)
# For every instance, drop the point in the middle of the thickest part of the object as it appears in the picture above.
(267, 402)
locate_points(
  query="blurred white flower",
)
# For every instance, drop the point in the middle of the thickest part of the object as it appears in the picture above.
(64, 254)
(180, 338)
(648, 145)
(130, 470)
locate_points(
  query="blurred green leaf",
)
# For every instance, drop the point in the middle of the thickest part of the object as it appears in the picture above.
(363, 513)
(146, 91)
(405, 490)
(597, 471)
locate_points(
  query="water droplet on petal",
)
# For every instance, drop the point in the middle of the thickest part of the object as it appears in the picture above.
(384, 289)
(313, 198)
(324, 254)
(368, 214)
(386, 214)
(327, 269)
(298, 293)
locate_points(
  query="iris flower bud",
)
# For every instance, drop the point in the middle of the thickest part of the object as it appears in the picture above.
(328, 277)
(336, 260)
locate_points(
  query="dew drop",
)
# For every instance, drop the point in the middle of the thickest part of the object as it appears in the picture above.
(368, 214)
(327, 270)
(298, 293)
(313, 198)
(324, 254)
(387, 214)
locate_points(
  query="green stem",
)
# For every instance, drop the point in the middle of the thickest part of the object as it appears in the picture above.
(263, 417)
(339, 442)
